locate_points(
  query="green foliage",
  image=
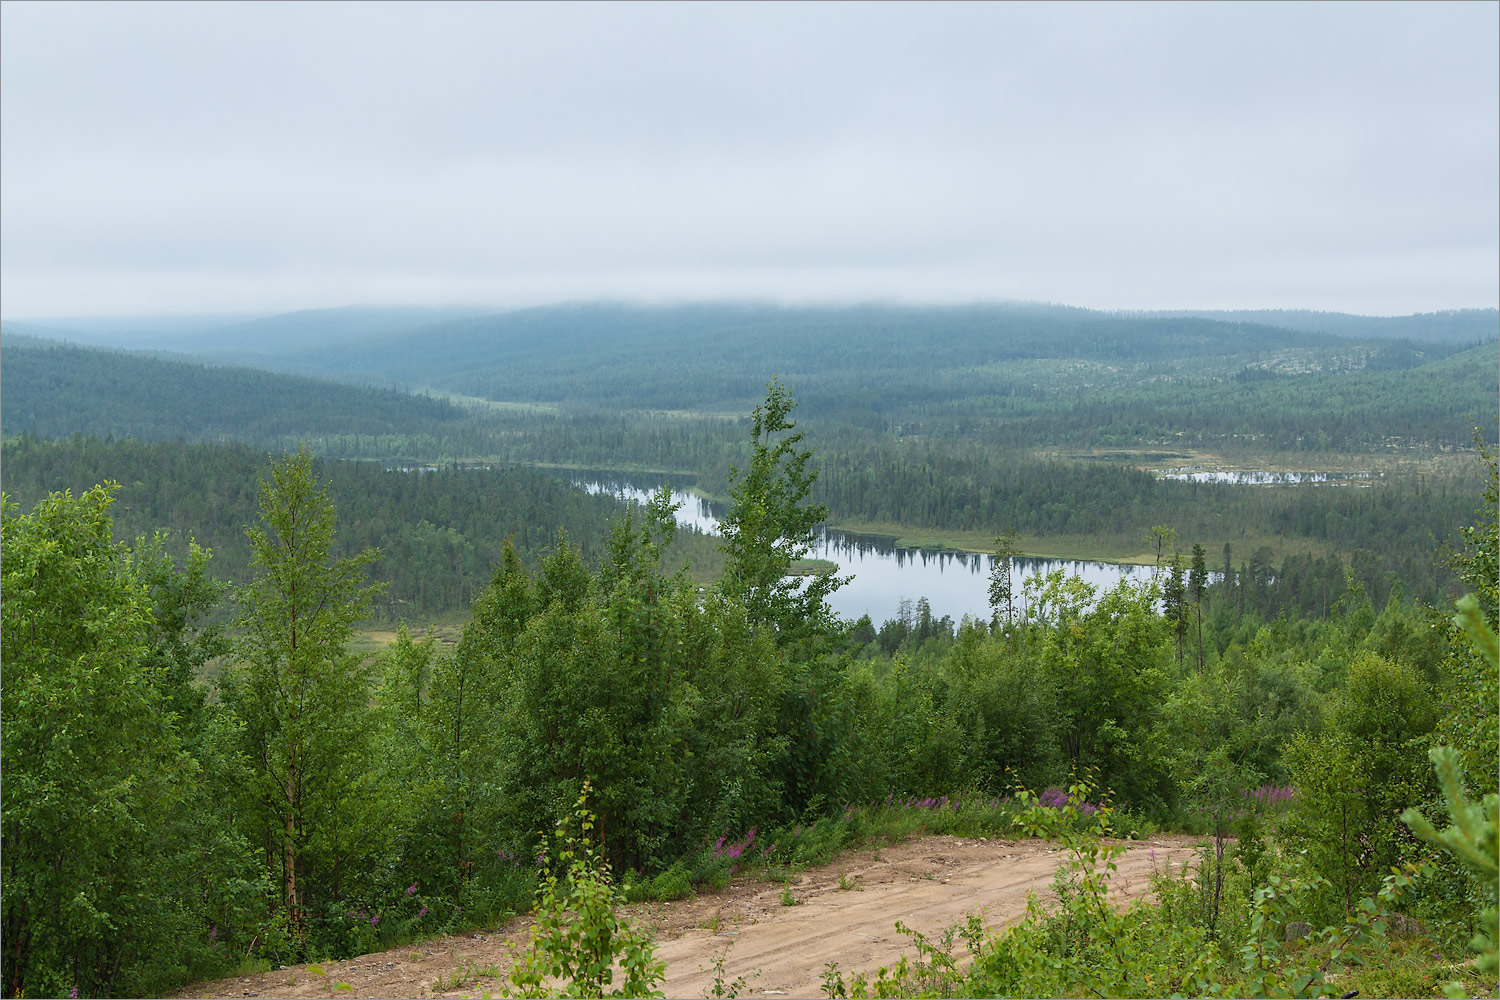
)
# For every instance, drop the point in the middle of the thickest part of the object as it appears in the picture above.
(1107, 662)
(1002, 587)
(1470, 720)
(1218, 745)
(442, 532)
(968, 394)
(304, 700)
(56, 390)
(437, 715)
(578, 936)
(1082, 945)
(768, 527)
(1472, 838)
(1355, 776)
(1271, 969)
(396, 796)
(666, 700)
(115, 879)
(723, 990)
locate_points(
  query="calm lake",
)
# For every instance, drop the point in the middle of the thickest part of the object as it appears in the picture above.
(954, 583)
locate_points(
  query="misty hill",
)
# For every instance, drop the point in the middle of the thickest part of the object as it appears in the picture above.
(1452, 326)
(53, 389)
(718, 356)
(1014, 377)
(238, 337)
(130, 332)
(290, 332)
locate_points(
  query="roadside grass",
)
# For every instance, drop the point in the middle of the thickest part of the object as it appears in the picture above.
(1403, 966)
(775, 854)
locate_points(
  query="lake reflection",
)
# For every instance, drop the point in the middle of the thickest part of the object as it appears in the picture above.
(954, 583)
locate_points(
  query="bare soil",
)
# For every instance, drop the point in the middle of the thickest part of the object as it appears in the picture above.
(845, 912)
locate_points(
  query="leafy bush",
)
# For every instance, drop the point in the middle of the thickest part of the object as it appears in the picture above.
(578, 936)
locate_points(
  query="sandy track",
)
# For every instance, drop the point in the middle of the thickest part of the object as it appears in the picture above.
(927, 884)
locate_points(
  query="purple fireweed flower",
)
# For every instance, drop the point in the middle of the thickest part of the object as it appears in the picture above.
(423, 913)
(213, 935)
(411, 889)
(74, 994)
(1272, 795)
(1153, 854)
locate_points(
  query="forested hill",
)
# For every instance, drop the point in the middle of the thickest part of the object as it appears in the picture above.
(245, 336)
(1454, 326)
(55, 389)
(440, 532)
(718, 356)
(271, 335)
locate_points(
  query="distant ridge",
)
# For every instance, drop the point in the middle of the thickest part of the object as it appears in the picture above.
(246, 336)
(53, 390)
(257, 338)
(1452, 326)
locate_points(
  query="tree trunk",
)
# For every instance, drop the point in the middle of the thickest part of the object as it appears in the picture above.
(289, 870)
(1200, 635)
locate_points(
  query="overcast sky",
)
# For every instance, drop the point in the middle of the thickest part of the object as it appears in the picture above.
(221, 157)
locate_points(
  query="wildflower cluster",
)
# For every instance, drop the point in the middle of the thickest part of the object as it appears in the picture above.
(734, 851)
(365, 916)
(1058, 799)
(1272, 796)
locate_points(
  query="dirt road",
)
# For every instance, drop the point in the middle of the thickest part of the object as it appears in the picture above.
(845, 912)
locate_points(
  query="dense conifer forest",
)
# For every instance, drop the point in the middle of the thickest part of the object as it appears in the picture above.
(200, 778)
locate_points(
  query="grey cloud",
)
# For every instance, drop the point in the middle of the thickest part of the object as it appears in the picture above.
(1340, 156)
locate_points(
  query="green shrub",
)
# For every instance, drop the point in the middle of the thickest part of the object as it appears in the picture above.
(578, 936)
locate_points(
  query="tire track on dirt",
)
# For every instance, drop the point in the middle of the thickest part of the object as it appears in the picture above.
(846, 913)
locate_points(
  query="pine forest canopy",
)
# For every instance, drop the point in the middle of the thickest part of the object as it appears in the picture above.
(716, 356)
(179, 798)
(960, 420)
